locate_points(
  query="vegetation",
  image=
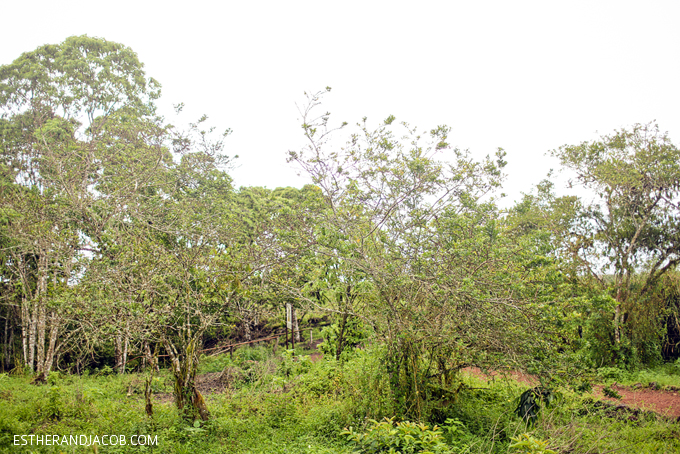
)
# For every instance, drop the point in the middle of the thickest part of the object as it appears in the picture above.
(265, 402)
(128, 256)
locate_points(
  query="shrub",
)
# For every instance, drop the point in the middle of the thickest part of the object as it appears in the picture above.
(529, 404)
(611, 373)
(526, 444)
(609, 392)
(398, 437)
(354, 334)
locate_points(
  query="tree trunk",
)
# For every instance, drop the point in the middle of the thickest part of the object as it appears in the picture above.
(25, 328)
(5, 344)
(126, 344)
(118, 352)
(44, 365)
(341, 336)
(32, 336)
(150, 359)
(41, 314)
(296, 326)
(40, 338)
(147, 394)
(12, 350)
(617, 316)
(51, 348)
(246, 329)
(617, 324)
(188, 399)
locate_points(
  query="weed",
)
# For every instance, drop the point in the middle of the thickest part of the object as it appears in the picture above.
(529, 403)
(405, 437)
(526, 444)
(308, 409)
(610, 392)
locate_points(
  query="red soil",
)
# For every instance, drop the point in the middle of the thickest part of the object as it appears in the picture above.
(665, 403)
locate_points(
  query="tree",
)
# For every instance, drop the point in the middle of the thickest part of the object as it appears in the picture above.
(168, 260)
(285, 218)
(633, 225)
(54, 104)
(422, 240)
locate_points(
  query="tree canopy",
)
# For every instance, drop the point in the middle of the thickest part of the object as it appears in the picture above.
(120, 232)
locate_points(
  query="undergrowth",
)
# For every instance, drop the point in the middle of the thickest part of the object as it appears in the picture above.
(285, 403)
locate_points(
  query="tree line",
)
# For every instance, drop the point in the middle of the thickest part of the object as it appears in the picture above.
(122, 233)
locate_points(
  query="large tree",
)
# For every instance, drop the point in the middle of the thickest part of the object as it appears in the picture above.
(632, 226)
(440, 282)
(112, 235)
(55, 103)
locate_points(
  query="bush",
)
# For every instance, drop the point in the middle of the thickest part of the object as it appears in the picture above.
(398, 437)
(612, 373)
(526, 444)
(354, 334)
(328, 418)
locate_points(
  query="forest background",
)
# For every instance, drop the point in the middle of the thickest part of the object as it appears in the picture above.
(123, 235)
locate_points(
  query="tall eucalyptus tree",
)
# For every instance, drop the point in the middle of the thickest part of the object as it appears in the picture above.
(55, 103)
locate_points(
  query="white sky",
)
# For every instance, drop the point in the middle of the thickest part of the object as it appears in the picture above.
(525, 76)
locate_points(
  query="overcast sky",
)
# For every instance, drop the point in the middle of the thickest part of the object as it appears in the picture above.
(525, 76)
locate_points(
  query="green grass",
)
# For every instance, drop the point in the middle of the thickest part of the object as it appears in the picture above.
(574, 423)
(284, 403)
(665, 376)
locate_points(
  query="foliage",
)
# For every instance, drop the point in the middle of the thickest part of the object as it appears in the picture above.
(632, 227)
(69, 116)
(529, 403)
(353, 334)
(258, 417)
(526, 444)
(417, 250)
(398, 437)
(611, 392)
(122, 235)
(126, 230)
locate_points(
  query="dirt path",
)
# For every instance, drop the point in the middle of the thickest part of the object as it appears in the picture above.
(665, 403)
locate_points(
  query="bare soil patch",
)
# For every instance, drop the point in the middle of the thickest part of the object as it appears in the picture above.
(213, 382)
(163, 398)
(662, 402)
(665, 403)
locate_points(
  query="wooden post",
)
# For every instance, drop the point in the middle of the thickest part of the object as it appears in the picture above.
(289, 324)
